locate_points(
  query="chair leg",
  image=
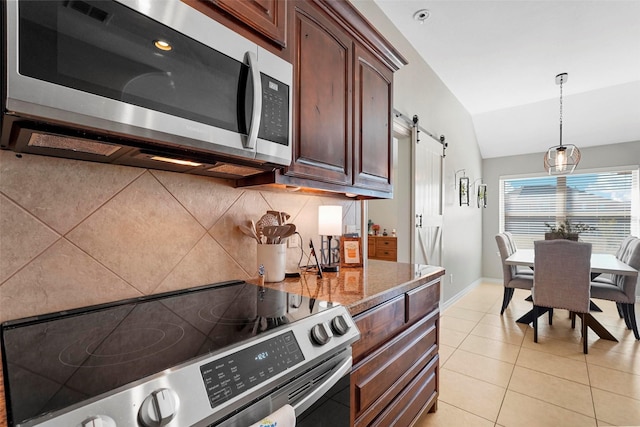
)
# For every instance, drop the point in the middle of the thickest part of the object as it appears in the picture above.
(630, 314)
(535, 323)
(572, 316)
(506, 298)
(585, 345)
(620, 312)
(625, 315)
(551, 316)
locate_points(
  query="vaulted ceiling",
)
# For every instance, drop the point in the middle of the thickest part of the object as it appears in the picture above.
(500, 59)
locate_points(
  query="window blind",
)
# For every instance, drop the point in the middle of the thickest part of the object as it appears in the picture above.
(608, 201)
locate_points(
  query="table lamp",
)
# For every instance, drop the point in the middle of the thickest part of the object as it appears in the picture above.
(330, 224)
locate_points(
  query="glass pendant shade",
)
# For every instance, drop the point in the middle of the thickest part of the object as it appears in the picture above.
(561, 159)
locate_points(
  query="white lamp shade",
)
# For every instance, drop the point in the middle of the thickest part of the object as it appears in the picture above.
(330, 220)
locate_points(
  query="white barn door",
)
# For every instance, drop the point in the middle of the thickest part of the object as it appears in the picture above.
(427, 198)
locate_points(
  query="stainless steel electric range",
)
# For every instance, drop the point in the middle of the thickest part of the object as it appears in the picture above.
(223, 354)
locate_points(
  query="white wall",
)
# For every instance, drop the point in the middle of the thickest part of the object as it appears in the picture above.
(626, 154)
(418, 90)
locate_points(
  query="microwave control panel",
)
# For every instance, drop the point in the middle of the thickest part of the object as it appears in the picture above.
(274, 123)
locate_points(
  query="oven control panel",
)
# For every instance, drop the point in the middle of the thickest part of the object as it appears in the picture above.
(230, 376)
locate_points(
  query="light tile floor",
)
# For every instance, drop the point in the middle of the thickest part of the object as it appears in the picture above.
(493, 374)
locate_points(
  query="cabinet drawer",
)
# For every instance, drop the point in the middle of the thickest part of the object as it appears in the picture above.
(422, 300)
(386, 243)
(378, 325)
(410, 403)
(386, 254)
(381, 377)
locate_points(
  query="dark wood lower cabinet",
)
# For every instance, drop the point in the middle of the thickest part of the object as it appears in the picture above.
(396, 363)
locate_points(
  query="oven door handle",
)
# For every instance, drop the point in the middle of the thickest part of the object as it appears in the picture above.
(338, 372)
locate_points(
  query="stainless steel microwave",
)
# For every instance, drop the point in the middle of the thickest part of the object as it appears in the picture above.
(153, 74)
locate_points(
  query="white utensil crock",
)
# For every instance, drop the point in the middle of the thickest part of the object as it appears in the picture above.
(274, 260)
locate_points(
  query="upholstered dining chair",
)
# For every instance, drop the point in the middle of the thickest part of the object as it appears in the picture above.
(608, 278)
(511, 279)
(520, 269)
(622, 290)
(561, 279)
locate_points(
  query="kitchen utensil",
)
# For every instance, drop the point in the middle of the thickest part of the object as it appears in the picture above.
(271, 233)
(249, 231)
(282, 217)
(256, 231)
(277, 215)
(275, 233)
(267, 219)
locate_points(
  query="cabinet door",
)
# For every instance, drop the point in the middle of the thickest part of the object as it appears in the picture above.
(268, 17)
(371, 246)
(322, 102)
(373, 98)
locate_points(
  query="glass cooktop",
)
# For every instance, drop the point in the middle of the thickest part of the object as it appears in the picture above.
(53, 361)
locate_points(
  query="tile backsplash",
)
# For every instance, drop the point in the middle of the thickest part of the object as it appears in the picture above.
(75, 233)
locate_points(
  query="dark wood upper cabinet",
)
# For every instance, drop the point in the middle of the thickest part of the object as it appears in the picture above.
(268, 17)
(373, 105)
(342, 91)
(343, 99)
(322, 98)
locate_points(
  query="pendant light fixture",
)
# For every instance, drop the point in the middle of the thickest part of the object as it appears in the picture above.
(561, 159)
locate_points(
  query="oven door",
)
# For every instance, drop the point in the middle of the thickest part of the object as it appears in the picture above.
(320, 397)
(332, 409)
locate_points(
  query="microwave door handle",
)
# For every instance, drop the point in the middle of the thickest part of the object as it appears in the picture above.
(256, 113)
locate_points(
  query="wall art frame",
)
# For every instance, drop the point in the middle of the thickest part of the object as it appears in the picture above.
(482, 195)
(350, 251)
(463, 189)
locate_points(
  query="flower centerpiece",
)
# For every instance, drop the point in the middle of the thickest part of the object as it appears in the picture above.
(566, 230)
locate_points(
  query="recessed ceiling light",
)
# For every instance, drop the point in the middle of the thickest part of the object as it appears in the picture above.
(421, 15)
(162, 45)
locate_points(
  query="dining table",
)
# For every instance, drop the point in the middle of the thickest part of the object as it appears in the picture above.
(600, 264)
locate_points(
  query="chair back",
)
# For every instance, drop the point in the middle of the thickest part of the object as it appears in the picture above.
(623, 247)
(508, 271)
(512, 243)
(562, 274)
(631, 257)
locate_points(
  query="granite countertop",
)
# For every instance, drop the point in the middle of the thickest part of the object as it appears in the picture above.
(360, 288)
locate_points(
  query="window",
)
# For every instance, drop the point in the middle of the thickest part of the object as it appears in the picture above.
(607, 200)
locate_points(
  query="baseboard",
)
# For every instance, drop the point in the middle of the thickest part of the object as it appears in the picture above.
(445, 304)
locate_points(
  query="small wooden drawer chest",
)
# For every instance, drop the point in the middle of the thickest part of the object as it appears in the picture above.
(383, 247)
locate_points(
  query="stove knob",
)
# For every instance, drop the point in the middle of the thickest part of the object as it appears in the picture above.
(320, 335)
(98, 421)
(339, 325)
(159, 408)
